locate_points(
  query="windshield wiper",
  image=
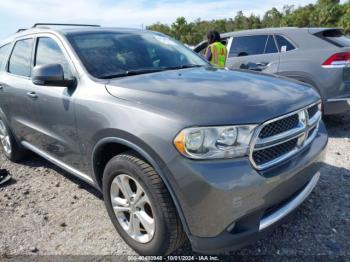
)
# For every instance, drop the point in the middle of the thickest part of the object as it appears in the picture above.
(144, 71)
(182, 66)
(129, 73)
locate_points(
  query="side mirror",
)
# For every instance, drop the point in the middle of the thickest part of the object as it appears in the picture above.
(50, 75)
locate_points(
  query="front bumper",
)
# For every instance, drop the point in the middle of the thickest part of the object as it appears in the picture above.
(231, 241)
(227, 203)
(336, 106)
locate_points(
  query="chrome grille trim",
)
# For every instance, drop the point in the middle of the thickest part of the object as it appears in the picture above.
(301, 132)
(278, 139)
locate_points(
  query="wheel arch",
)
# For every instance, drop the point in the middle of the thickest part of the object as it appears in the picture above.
(145, 152)
(7, 123)
(3, 116)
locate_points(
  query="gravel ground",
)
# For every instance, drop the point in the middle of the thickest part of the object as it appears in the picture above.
(46, 211)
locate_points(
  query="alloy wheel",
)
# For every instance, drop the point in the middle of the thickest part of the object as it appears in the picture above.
(132, 208)
(5, 138)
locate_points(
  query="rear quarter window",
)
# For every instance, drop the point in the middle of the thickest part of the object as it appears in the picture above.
(20, 60)
(284, 44)
(3, 54)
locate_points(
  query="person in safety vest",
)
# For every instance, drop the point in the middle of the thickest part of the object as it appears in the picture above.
(216, 52)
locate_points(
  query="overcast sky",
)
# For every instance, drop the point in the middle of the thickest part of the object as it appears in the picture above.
(16, 14)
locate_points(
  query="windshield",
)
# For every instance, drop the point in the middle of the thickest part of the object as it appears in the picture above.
(109, 55)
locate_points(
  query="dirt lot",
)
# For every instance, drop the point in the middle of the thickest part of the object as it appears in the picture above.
(46, 211)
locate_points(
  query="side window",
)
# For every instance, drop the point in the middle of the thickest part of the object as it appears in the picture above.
(3, 54)
(248, 45)
(270, 46)
(283, 44)
(202, 48)
(48, 52)
(20, 60)
(203, 51)
(224, 41)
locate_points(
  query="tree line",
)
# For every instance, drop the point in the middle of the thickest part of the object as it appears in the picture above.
(324, 13)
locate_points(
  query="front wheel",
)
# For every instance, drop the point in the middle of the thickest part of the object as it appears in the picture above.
(140, 206)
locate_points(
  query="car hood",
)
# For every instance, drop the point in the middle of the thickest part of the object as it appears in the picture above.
(207, 96)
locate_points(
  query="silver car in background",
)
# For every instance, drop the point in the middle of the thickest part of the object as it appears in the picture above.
(316, 56)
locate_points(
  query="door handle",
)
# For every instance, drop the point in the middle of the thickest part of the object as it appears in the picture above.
(1, 87)
(262, 64)
(255, 66)
(32, 95)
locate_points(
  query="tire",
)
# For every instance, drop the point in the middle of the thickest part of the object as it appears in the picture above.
(132, 172)
(9, 144)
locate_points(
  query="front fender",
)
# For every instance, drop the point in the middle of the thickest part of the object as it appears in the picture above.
(150, 156)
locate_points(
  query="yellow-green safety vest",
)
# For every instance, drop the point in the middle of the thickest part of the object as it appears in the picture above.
(218, 54)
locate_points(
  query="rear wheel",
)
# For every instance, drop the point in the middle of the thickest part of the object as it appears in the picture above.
(140, 206)
(9, 144)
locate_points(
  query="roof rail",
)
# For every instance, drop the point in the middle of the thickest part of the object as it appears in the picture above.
(21, 29)
(57, 24)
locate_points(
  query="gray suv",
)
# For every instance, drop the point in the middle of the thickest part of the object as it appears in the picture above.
(179, 149)
(319, 57)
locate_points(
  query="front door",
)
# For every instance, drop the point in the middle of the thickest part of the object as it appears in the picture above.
(56, 133)
(256, 52)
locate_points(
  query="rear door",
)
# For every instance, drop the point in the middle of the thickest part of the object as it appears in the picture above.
(4, 53)
(17, 103)
(255, 52)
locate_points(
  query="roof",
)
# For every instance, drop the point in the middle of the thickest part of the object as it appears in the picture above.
(276, 30)
(67, 30)
(74, 30)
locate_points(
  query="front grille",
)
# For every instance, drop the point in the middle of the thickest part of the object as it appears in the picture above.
(311, 131)
(266, 155)
(278, 139)
(280, 126)
(312, 110)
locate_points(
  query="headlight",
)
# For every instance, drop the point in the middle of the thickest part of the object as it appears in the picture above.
(214, 142)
